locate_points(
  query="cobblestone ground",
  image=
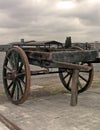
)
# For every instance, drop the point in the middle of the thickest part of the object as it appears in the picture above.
(55, 113)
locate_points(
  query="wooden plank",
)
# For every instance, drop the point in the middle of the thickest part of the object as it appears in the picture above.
(74, 88)
(5, 48)
(74, 56)
(39, 55)
(64, 56)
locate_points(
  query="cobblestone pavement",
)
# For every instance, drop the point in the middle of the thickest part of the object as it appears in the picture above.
(54, 112)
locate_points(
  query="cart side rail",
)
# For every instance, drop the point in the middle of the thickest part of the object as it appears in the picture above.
(4, 48)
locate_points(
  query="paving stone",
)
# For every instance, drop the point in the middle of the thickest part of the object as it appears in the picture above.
(3, 127)
(55, 113)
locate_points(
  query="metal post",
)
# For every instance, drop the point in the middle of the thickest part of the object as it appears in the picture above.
(74, 88)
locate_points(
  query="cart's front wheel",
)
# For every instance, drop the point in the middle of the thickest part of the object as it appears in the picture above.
(84, 80)
(16, 75)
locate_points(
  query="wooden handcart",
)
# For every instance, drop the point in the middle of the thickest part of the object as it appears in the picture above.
(74, 63)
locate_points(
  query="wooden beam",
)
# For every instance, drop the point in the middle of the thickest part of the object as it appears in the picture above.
(74, 56)
(72, 66)
(74, 88)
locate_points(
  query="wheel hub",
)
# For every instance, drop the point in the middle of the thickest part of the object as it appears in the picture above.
(11, 75)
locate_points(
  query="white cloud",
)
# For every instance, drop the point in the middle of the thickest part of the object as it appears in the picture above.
(65, 5)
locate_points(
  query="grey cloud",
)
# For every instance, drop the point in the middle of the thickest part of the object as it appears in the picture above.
(88, 14)
(34, 19)
(19, 14)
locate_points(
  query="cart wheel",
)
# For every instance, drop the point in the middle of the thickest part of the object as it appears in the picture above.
(84, 80)
(16, 75)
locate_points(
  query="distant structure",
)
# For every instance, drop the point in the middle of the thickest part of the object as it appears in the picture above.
(95, 45)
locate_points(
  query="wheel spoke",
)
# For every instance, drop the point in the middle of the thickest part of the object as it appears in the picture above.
(66, 76)
(10, 61)
(69, 80)
(14, 60)
(20, 67)
(83, 78)
(10, 85)
(20, 87)
(17, 91)
(21, 74)
(17, 61)
(13, 89)
(22, 81)
(6, 67)
(14, 57)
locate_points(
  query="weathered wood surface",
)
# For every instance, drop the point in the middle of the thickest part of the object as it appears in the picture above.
(38, 55)
(74, 88)
(5, 47)
(38, 43)
(72, 66)
(65, 56)
(74, 56)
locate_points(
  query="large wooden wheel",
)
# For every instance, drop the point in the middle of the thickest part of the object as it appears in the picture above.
(16, 75)
(84, 80)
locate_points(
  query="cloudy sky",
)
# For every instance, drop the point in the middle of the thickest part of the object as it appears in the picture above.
(49, 20)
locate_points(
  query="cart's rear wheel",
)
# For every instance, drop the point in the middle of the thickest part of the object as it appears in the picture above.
(16, 75)
(84, 80)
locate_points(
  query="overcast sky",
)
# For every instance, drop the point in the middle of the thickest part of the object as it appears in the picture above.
(49, 20)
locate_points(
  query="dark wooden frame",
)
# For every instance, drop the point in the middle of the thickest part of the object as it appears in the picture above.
(52, 54)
